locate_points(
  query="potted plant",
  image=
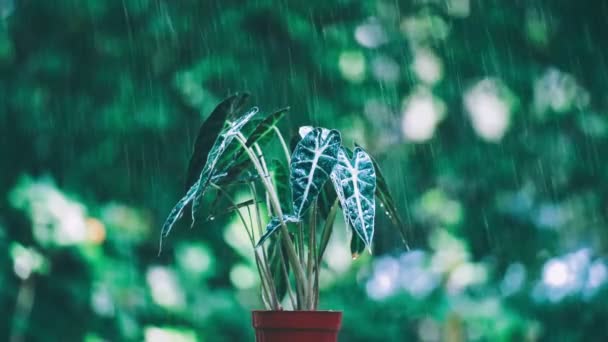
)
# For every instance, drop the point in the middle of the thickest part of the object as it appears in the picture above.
(301, 197)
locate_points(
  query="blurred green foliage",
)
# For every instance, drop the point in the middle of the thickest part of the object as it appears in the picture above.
(489, 117)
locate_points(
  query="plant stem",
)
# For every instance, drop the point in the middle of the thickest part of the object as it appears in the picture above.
(286, 275)
(261, 232)
(283, 144)
(266, 174)
(280, 250)
(327, 229)
(265, 277)
(301, 242)
(285, 239)
(316, 269)
(311, 254)
(23, 310)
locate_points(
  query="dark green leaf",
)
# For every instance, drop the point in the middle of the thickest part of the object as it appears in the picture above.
(197, 190)
(232, 207)
(208, 132)
(266, 126)
(274, 224)
(222, 142)
(312, 161)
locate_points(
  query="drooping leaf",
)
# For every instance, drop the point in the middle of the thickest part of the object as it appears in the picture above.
(197, 190)
(355, 182)
(208, 132)
(387, 203)
(274, 224)
(312, 161)
(214, 214)
(177, 211)
(222, 142)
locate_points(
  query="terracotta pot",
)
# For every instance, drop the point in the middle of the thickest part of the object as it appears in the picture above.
(296, 326)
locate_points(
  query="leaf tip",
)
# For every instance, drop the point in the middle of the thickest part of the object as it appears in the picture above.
(261, 242)
(160, 245)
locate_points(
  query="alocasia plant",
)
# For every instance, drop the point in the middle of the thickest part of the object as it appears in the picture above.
(228, 152)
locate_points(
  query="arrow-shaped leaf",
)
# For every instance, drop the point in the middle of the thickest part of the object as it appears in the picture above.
(312, 161)
(327, 196)
(274, 224)
(387, 202)
(355, 182)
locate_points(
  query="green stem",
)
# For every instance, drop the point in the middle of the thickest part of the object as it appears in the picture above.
(301, 242)
(261, 232)
(265, 277)
(286, 275)
(266, 174)
(23, 310)
(274, 201)
(283, 144)
(327, 230)
(311, 254)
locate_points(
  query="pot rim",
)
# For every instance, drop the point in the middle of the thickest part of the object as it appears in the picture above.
(299, 311)
(299, 320)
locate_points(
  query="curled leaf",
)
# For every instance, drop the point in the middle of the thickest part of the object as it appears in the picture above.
(178, 210)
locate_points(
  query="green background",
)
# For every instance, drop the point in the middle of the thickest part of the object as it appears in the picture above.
(489, 119)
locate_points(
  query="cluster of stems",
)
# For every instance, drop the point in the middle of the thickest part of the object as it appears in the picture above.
(302, 258)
